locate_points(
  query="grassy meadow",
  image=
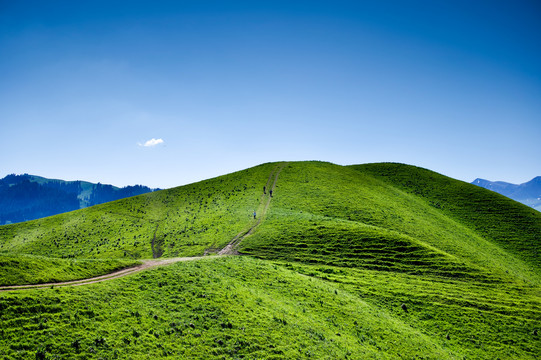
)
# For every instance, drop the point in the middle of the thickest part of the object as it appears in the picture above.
(376, 261)
(183, 221)
(31, 269)
(346, 216)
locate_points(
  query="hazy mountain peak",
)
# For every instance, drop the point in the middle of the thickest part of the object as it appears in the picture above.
(528, 193)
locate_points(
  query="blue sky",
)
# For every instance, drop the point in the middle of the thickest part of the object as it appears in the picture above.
(218, 86)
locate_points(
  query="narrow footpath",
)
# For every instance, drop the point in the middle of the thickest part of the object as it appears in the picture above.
(146, 264)
(229, 249)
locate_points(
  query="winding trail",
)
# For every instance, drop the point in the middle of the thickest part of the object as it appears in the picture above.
(146, 264)
(229, 249)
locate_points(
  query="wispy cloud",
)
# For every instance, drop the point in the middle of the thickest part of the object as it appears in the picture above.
(152, 142)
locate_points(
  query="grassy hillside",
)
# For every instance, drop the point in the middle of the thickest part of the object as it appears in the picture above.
(473, 319)
(183, 221)
(217, 308)
(239, 307)
(347, 216)
(512, 226)
(395, 234)
(17, 269)
(380, 261)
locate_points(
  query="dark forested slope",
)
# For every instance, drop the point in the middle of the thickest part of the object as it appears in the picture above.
(28, 197)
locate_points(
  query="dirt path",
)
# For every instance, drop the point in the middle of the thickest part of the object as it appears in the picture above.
(147, 264)
(229, 249)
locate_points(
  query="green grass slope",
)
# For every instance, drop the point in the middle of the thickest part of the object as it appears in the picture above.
(219, 308)
(426, 245)
(346, 216)
(183, 221)
(511, 225)
(382, 261)
(240, 307)
(30, 269)
(475, 320)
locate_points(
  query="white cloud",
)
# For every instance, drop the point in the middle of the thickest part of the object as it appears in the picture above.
(152, 142)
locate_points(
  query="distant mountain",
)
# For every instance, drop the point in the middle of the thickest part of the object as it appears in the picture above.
(28, 197)
(528, 193)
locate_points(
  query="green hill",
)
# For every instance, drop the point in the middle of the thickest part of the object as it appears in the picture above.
(183, 221)
(397, 218)
(367, 261)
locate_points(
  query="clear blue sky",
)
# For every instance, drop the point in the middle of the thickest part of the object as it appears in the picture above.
(453, 86)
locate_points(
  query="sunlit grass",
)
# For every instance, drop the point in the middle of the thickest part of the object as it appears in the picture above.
(327, 213)
(381, 261)
(215, 308)
(31, 269)
(183, 221)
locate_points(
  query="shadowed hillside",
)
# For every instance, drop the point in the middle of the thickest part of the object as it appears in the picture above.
(507, 223)
(28, 197)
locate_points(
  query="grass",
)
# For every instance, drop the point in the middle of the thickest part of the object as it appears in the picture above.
(183, 221)
(31, 269)
(477, 320)
(510, 225)
(240, 307)
(341, 215)
(328, 241)
(382, 261)
(216, 308)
